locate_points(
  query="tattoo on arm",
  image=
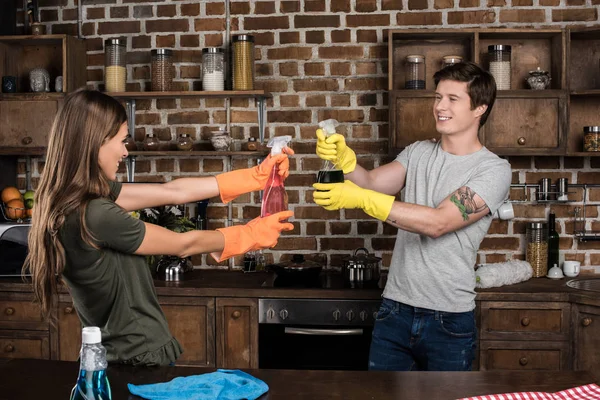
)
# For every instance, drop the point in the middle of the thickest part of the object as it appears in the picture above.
(464, 199)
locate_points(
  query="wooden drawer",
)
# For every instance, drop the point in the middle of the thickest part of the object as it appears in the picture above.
(24, 344)
(524, 321)
(18, 311)
(525, 355)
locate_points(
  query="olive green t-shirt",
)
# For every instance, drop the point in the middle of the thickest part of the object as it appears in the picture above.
(112, 288)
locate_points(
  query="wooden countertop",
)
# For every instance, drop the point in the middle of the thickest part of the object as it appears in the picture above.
(41, 379)
(220, 283)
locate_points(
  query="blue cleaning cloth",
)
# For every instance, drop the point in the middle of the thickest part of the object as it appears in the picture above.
(221, 385)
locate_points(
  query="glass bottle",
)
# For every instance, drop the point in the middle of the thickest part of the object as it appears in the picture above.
(213, 69)
(275, 197)
(115, 67)
(162, 70)
(184, 142)
(553, 240)
(451, 60)
(150, 143)
(537, 247)
(415, 72)
(92, 383)
(500, 67)
(243, 62)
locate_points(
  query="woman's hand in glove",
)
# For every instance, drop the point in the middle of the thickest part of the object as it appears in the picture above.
(260, 233)
(334, 196)
(334, 149)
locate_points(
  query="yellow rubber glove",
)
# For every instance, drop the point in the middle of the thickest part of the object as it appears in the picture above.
(334, 196)
(234, 183)
(260, 233)
(334, 149)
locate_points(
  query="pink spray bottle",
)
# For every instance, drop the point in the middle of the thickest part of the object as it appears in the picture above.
(275, 198)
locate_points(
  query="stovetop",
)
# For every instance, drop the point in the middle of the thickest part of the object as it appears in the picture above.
(326, 280)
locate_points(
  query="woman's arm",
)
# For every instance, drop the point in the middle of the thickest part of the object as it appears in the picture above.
(159, 240)
(135, 196)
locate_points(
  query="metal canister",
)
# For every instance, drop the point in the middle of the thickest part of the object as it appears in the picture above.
(115, 65)
(537, 247)
(243, 62)
(361, 268)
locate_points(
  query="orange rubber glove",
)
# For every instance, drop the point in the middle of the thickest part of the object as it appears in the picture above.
(260, 233)
(234, 183)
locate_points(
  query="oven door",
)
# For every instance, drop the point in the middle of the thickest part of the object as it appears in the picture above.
(314, 347)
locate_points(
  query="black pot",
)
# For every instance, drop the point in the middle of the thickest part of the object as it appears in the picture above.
(297, 271)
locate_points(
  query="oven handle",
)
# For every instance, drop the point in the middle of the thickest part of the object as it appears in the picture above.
(323, 332)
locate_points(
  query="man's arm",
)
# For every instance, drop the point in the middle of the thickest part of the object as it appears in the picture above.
(387, 179)
(462, 208)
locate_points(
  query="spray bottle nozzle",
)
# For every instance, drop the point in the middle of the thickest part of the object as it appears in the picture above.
(278, 143)
(329, 126)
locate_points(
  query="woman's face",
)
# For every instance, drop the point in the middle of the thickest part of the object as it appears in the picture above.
(112, 152)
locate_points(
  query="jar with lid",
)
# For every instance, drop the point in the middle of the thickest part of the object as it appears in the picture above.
(250, 145)
(414, 70)
(591, 138)
(499, 56)
(130, 143)
(451, 60)
(537, 247)
(162, 69)
(150, 143)
(184, 142)
(115, 66)
(243, 62)
(213, 69)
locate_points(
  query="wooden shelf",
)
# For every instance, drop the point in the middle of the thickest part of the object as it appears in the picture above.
(524, 93)
(587, 93)
(205, 94)
(176, 153)
(32, 96)
(31, 40)
(583, 154)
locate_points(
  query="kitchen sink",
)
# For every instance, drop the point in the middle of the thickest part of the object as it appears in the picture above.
(591, 284)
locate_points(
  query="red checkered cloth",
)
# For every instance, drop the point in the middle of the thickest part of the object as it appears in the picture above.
(587, 392)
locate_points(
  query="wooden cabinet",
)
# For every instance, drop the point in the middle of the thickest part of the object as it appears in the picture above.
(524, 335)
(68, 332)
(192, 321)
(586, 337)
(237, 338)
(60, 55)
(523, 121)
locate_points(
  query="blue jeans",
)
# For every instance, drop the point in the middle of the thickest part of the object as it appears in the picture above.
(407, 338)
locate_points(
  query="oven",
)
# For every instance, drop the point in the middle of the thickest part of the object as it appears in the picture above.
(315, 334)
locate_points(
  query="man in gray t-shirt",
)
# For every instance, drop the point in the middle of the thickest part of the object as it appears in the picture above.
(449, 190)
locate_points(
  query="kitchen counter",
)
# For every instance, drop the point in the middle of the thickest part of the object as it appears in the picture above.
(55, 379)
(220, 283)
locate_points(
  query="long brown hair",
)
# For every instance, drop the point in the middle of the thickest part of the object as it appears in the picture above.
(70, 179)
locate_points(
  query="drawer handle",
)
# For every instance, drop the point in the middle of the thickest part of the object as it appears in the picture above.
(523, 361)
(27, 140)
(9, 348)
(587, 321)
(9, 311)
(68, 310)
(236, 314)
(525, 321)
(521, 141)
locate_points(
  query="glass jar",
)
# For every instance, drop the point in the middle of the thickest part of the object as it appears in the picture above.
(213, 67)
(150, 143)
(115, 66)
(451, 60)
(499, 57)
(162, 69)
(251, 144)
(243, 62)
(591, 138)
(537, 247)
(415, 72)
(184, 142)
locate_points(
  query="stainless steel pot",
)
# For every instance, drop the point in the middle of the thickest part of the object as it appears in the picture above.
(361, 268)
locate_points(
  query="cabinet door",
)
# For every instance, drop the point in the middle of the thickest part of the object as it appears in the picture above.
(192, 322)
(26, 124)
(237, 333)
(69, 332)
(523, 355)
(24, 344)
(586, 332)
(411, 118)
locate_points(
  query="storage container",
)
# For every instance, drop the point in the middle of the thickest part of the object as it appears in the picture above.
(213, 69)
(162, 70)
(115, 65)
(591, 138)
(537, 247)
(415, 72)
(243, 62)
(500, 65)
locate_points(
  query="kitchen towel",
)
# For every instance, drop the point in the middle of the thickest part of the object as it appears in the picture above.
(587, 392)
(221, 385)
(500, 274)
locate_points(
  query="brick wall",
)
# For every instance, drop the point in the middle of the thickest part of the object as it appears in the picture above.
(319, 59)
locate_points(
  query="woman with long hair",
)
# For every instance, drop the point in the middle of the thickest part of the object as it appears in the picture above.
(83, 233)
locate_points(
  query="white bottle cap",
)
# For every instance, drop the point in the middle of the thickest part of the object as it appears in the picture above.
(91, 335)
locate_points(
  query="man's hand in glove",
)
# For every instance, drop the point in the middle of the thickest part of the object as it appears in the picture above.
(334, 196)
(260, 233)
(234, 183)
(334, 149)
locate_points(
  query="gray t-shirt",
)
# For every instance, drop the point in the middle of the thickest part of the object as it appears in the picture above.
(438, 274)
